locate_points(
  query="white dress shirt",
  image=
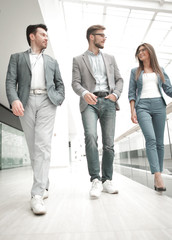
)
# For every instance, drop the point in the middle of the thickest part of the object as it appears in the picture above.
(99, 71)
(37, 67)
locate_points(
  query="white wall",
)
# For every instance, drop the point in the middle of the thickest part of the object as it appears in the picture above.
(15, 16)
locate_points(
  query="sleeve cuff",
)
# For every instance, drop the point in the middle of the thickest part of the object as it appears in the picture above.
(115, 95)
(83, 94)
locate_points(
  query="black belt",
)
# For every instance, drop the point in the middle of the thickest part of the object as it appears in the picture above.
(101, 94)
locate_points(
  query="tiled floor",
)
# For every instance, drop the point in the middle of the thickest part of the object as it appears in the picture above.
(136, 213)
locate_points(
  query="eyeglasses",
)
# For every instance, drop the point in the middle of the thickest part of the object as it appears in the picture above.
(100, 34)
(141, 50)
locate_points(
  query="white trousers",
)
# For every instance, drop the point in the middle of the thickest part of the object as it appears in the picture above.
(37, 124)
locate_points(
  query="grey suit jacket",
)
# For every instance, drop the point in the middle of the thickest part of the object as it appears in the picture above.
(83, 78)
(18, 80)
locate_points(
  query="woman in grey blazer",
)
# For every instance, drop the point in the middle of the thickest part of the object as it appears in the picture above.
(148, 107)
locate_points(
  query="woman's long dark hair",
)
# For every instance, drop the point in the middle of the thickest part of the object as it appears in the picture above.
(153, 61)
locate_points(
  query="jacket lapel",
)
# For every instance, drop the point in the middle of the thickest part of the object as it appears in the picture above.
(159, 84)
(106, 65)
(141, 76)
(45, 62)
(26, 55)
(46, 72)
(87, 62)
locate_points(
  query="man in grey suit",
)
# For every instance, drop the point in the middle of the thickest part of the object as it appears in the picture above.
(97, 80)
(34, 89)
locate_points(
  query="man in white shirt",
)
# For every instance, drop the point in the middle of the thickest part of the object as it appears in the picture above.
(34, 89)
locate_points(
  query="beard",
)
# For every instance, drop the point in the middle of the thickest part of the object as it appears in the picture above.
(98, 45)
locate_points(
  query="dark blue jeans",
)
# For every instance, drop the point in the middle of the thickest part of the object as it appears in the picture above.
(105, 111)
(151, 115)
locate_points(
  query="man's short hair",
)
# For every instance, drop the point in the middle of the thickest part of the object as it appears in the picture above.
(93, 29)
(33, 28)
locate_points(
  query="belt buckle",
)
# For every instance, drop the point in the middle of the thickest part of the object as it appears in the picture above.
(102, 94)
(37, 91)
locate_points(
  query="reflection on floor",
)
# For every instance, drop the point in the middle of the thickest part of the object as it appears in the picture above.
(136, 213)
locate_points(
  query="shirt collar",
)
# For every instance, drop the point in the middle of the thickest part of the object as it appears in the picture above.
(32, 52)
(92, 54)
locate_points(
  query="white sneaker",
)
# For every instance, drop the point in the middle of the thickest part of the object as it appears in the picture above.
(45, 195)
(109, 187)
(37, 205)
(96, 188)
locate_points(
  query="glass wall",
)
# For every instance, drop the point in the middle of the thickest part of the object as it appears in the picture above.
(131, 160)
(13, 148)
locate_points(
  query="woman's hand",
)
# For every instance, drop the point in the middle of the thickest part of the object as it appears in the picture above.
(134, 117)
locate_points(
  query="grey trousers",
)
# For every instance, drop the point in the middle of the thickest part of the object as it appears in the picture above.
(37, 124)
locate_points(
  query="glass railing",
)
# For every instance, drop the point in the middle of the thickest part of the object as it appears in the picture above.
(13, 148)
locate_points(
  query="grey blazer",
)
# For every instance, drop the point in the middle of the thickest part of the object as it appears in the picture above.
(135, 87)
(83, 78)
(18, 80)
